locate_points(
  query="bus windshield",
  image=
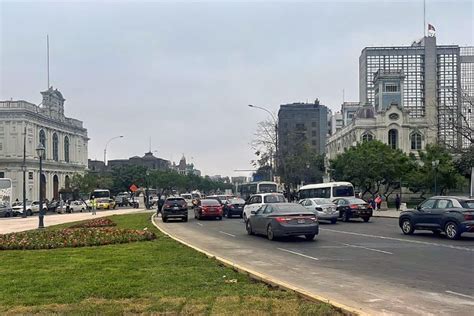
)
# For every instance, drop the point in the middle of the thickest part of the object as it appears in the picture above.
(267, 188)
(100, 194)
(342, 191)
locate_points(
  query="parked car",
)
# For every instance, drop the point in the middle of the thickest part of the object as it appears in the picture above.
(122, 199)
(17, 209)
(283, 219)
(353, 208)
(102, 203)
(5, 210)
(52, 206)
(174, 207)
(449, 214)
(234, 206)
(208, 208)
(78, 206)
(325, 209)
(33, 207)
(257, 200)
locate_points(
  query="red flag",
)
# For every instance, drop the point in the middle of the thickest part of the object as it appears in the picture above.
(431, 28)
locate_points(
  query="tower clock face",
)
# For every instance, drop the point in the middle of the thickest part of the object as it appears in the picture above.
(393, 116)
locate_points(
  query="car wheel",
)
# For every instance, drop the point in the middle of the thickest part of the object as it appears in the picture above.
(334, 221)
(7, 214)
(270, 234)
(249, 228)
(407, 227)
(451, 230)
(366, 219)
(164, 219)
(185, 219)
(245, 217)
(219, 218)
(309, 236)
(29, 213)
(195, 215)
(82, 210)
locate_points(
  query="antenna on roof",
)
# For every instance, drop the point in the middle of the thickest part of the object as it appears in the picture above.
(343, 95)
(424, 18)
(47, 56)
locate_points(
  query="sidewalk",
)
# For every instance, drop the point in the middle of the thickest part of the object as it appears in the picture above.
(390, 213)
(17, 224)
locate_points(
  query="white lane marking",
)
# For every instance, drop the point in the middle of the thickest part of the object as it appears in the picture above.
(298, 254)
(373, 300)
(200, 224)
(460, 294)
(399, 239)
(226, 233)
(371, 249)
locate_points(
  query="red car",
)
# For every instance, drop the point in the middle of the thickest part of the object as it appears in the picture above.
(208, 208)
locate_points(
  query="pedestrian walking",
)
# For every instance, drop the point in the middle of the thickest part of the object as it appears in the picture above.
(160, 206)
(93, 205)
(378, 202)
(398, 202)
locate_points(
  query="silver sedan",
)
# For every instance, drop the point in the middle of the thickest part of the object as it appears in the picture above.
(325, 209)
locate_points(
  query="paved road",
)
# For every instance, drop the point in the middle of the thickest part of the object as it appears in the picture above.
(16, 224)
(371, 266)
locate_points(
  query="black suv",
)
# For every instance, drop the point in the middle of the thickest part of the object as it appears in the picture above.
(450, 214)
(174, 207)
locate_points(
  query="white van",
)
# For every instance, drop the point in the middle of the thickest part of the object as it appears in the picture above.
(329, 190)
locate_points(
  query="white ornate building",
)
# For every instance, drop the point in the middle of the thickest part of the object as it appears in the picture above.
(65, 140)
(389, 121)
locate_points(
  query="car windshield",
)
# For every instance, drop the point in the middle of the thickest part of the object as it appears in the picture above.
(237, 201)
(187, 196)
(267, 188)
(274, 198)
(102, 200)
(290, 208)
(322, 201)
(209, 203)
(467, 203)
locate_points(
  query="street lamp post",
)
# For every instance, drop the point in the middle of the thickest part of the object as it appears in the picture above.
(40, 151)
(105, 149)
(435, 164)
(275, 123)
(23, 169)
(147, 203)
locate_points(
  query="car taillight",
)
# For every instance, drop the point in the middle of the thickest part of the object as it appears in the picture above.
(354, 206)
(469, 217)
(282, 219)
(167, 206)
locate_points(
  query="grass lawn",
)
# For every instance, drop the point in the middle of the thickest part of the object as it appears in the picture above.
(151, 277)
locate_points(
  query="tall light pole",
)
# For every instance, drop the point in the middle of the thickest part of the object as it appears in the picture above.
(275, 123)
(105, 149)
(40, 151)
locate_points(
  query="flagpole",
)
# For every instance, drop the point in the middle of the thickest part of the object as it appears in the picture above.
(47, 48)
(424, 18)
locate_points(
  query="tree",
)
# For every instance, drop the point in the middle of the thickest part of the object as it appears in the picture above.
(435, 172)
(264, 144)
(373, 167)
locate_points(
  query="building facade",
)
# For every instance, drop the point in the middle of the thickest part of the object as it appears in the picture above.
(438, 83)
(65, 140)
(300, 123)
(148, 161)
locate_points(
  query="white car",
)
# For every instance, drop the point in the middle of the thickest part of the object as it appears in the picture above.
(325, 209)
(257, 200)
(31, 207)
(188, 197)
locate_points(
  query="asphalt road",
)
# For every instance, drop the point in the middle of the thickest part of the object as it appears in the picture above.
(371, 267)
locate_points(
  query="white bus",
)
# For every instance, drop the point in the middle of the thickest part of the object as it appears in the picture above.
(330, 190)
(247, 189)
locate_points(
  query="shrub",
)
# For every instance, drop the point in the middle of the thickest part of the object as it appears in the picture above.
(96, 222)
(79, 237)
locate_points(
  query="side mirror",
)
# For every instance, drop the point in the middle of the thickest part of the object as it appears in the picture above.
(252, 212)
(418, 207)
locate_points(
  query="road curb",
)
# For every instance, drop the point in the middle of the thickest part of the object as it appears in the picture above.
(263, 277)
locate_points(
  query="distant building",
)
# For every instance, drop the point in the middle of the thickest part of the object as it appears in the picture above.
(348, 110)
(184, 168)
(302, 123)
(64, 138)
(148, 160)
(438, 83)
(337, 122)
(96, 165)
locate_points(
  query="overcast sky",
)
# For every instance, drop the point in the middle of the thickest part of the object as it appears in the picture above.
(183, 73)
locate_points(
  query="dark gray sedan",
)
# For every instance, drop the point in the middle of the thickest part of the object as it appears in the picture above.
(283, 219)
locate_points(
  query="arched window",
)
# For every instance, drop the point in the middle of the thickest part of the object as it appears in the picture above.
(367, 137)
(66, 149)
(415, 141)
(393, 138)
(42, 140)
(55, 147)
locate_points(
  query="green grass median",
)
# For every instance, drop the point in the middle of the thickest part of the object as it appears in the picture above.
(151, 277)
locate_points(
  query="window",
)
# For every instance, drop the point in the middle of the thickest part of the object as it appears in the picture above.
(42, 140)
(393, 138)
(30, 175)
(55, 147)
(300, 126)
(367, 137)
(258, 199)
(268, 210)
(391, 87)
(2, 174)
(313, 133)
(415, 141)
(444, 204)
(66, 149)
(313, 124)
(428, 204)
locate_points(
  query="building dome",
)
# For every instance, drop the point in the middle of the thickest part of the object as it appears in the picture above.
(365, 112)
